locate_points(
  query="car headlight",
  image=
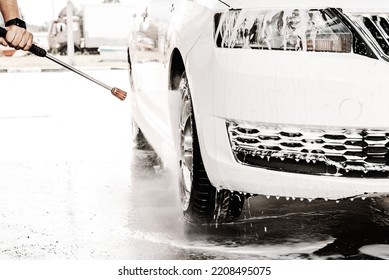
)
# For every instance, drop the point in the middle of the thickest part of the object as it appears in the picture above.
(295, 29)
(376, 27)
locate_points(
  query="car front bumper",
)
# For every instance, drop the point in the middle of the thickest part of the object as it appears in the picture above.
(331, 93)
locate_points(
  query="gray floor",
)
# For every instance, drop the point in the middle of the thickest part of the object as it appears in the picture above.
(74, 187)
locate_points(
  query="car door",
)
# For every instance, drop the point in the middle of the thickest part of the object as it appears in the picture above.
(149, 45)
(148, 72)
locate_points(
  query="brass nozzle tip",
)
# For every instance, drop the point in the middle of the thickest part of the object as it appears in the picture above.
(121, 94)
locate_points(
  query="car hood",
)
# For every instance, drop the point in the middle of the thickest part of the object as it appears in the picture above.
(381, 6)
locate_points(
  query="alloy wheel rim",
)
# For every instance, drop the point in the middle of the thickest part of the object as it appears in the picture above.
(186, 152)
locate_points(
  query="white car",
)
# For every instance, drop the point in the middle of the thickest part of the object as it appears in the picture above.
(286, 98)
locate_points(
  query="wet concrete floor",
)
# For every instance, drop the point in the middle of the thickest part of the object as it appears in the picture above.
(73, 186)
(268, 228)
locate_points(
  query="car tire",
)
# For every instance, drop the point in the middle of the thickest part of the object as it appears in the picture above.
(143, 150)
(201, 202)
(139, 140)
(63, 49)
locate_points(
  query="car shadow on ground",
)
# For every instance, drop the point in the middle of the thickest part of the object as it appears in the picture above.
(304, 230)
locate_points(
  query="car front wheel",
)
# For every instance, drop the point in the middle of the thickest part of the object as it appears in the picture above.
(201, 202)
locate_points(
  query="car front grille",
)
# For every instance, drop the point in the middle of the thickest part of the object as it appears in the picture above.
(308, 150)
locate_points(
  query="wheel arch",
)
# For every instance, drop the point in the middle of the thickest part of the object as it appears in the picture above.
(177, 68)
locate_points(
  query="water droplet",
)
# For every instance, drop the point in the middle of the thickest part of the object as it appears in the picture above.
(363, 198)
(287, 198)
(265, 229)
(268, 196)
(352, 199)
(337, 201)
(301, 199)
(277, 197)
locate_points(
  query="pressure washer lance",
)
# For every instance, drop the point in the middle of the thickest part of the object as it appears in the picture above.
(38, 51)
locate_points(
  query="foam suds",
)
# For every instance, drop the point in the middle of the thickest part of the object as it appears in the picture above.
(380, 251)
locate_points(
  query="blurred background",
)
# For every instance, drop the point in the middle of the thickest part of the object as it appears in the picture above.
(99, 26)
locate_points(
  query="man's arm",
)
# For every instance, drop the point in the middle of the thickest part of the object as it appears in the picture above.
(17, 37)
(9, 9)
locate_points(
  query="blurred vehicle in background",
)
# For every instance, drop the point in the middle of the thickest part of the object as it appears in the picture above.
(104, 24)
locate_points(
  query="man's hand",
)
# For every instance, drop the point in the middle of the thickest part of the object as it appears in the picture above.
(18, 38)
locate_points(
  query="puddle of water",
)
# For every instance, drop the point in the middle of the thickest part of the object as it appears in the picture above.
(287, 250)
